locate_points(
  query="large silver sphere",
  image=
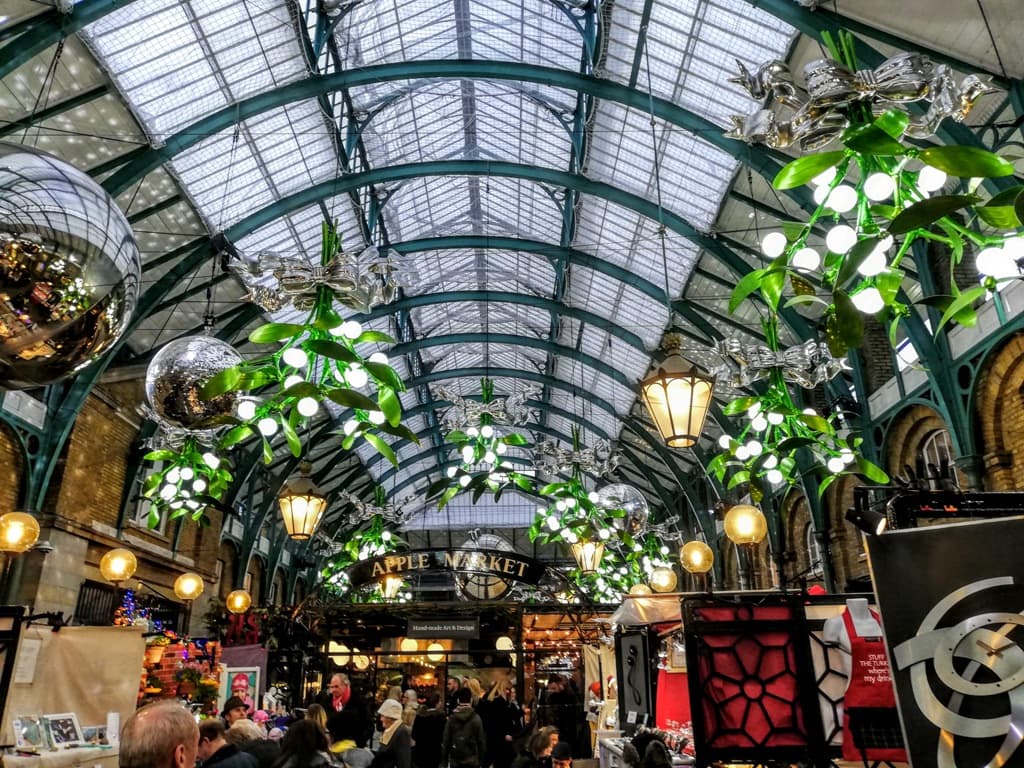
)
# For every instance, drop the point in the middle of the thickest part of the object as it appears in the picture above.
(69, 269)
(177, 373)
(629, 499)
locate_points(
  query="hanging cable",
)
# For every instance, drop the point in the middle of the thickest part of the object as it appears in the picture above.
(992, 39)
(657, 172)
(45, 87)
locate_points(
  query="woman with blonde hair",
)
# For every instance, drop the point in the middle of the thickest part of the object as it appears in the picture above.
(475, 688)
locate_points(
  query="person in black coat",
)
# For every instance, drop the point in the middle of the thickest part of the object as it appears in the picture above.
(396, 741)
(427, 729)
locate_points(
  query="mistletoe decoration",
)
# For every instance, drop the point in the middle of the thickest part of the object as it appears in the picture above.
(482, 446)
(191, 478)
(878, 200)
(316, 360)
(373, 539)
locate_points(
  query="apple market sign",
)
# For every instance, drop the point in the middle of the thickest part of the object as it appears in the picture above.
(506, 565)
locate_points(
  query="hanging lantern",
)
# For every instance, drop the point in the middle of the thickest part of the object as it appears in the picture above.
(677, 396)
(504, 643)
(19, 531)
(302, 505)
(696, 557)
(339, 652)
(745, 524)
(435, 652)
(409, 645)
(663, 579)
(238, 601)
(188, 586)
(390, 587)
(118, 565)
(360, 660)
(588, 555)
(639, 590)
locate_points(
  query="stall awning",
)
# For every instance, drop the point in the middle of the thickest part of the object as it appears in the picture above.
(648, 609)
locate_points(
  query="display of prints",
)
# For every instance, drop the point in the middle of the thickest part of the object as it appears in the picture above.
(951, 598)
(243, 682)
(64, 730)
(30, 733)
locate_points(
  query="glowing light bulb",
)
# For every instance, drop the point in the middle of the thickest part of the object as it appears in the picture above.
(842, 199)
(501, 448)
(996, 262)
(356, 377)
(593, 497)
(724, 442)
(168, 492)
(267, 426)
(835, 464)
(451, 471)
(292, 380)
(771, 461)
(742, 453)
(472, 431)
(560, 505)
(173, 476)
(467, 453)
(295, 357)
(199, 485)
(820, 194)
(878, 187)
(350, 426)
(553, 523)
(464, 480)
(773, 244)
(806, 259)
(570, 503)
(490, 457)
(930, 179)
(841, 238)
(874, 264)
(869, 301)
(824, 178)
(487, 431)
(379, 357)
(774, 476)
(211, 460)
(307, 406)
(604, 534)
(350, 329)
(760, 423)
(753, 410)
(246, 409)
(376, 417)
(775, 418)
(754, 448)
(187, 473)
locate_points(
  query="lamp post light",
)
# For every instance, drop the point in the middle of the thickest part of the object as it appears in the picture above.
(678, 396)
(238, 601)
(118, 565)
(19, 531)
(302, 505)
(588, 555)
(187, 587)
(746, 527)
(697, 559)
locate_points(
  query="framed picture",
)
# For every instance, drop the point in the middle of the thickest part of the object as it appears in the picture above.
(64, 729)
(94, 734)
(30, 732)
(243, 682)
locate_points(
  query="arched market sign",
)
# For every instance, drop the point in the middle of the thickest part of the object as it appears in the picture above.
(509, 566)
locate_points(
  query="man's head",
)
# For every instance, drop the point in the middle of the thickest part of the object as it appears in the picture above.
(464, 696)
(234, 710)
(453, 684)
(162, 735)
(242, 731)
(338, 685)
(211, 737)
(561, 755)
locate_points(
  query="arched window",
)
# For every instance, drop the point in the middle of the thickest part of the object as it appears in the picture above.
(938, 448)
(815, 556)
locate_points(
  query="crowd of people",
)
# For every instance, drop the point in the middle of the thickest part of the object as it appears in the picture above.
(470, 728)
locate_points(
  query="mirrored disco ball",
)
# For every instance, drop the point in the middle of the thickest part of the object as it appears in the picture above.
(69, 269)
(177, 373)
(628, 498)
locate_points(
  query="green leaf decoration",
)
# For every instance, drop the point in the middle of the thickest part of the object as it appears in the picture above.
(738, 406)
(152, 483)
(1018, 207)
(225, 381)
(894, 122)
(872, 140)
(738, 478)
(379, 336)
(268, 452)
(849, 321)
(458, 436)
(160, 455)
(326, 319)
(884, 211)
(960, 304)
(803, 300)
(236, 435)
(390, 405)
(349, 398)
(888, 284)
(272, 332)
(749, 283)
(771, 287)
(854, 259)
(801, 286)
(436, 488)
(826, 482)
(926, 212)
(550, 488)
(793, 230)
(792, 443)
(290, 436)
(400, 430)
(966, 161)
(332, 349)
(999, 216)
(382, 447)
(514, 438)
(302, 389)
(803, 169)
(447, 496)
(871, 471)
(817, 423)
(387, 375)
(522, 481)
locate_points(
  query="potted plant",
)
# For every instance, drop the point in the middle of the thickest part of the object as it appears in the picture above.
(155, 647)
(189, 679)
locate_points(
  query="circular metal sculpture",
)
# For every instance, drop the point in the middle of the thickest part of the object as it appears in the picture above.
(482, 586)
(176, 375)
(631, 501)
(69, 269)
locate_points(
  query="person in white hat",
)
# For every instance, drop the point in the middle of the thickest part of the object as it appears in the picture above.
(396, 741)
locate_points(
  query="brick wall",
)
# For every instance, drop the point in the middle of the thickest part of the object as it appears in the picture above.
(1001, 406)
(11, 469)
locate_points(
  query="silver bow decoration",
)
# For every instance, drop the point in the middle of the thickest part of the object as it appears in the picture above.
(509, 410)
(818, 115)
(395, 513)
(173, 438)
(359, 281)
(807, 364)
(549, 457)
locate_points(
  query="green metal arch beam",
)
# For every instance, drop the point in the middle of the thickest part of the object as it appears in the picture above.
(506, 297)
(765, 161)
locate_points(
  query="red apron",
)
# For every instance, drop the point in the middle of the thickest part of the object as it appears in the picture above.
(871, 726)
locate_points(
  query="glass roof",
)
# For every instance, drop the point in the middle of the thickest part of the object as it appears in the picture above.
(495, 207)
